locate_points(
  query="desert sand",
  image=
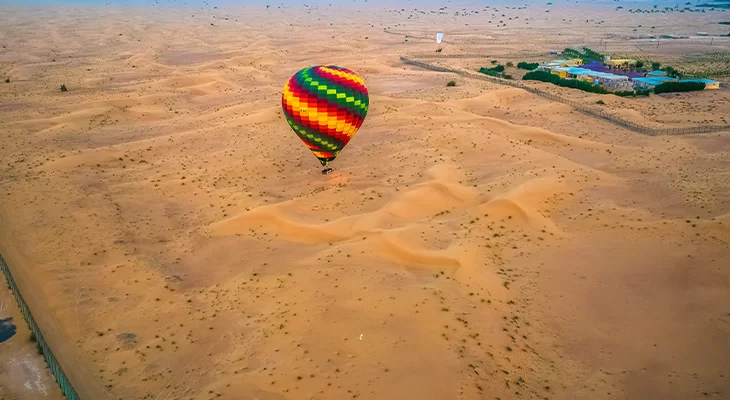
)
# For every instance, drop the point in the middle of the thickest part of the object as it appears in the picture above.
(176, 240)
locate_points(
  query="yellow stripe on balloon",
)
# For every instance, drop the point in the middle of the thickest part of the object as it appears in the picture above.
(345, 75)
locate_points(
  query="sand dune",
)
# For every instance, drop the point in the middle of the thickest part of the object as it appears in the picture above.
(423, 201)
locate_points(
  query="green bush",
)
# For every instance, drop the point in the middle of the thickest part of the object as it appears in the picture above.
(655, 66)
(669, 87)
(639, 64)
(588, 53)
(672, 72)
(527, 66)
(495, 71)
(451, 83)
(490, 72)
(631, 93)
(572, 53)
(63, 88)
(542, 76)
(509, 64)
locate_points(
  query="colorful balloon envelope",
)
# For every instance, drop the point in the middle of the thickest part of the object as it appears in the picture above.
(325, 106)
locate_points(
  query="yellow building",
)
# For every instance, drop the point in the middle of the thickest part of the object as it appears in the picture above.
(620, 62)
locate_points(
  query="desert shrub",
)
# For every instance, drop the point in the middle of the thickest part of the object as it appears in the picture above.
(494, 71)
(509, 64)
(507, 76)
(572, 53)
(494, 61)
(438, 50)
(542, 76)
(489, 71)
(631, 93)
(672, 72)
(63, 88)
(527, 66)
(451, 83)
(600, 102)
(669, 87)
(7, 80)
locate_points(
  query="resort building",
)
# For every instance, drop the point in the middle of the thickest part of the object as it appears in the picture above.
(619, 62)
(560, 63)
(568, 69)
(651, 82)
(587, 75)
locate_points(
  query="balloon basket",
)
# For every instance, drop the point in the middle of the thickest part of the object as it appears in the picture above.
(326, 171)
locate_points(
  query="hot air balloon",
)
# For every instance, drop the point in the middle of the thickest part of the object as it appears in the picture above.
(439, 37)
(325, 106)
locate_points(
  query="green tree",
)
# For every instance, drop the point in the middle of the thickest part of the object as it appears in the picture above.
(669, 87)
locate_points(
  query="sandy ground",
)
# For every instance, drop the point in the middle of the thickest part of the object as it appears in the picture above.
(475, 242)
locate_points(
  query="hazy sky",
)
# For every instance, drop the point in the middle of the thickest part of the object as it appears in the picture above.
(453, 5)
(273, 3)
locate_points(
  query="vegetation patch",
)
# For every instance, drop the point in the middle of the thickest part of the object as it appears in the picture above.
(670, 87)
(544, 76)
(497, 71)
(527, 66)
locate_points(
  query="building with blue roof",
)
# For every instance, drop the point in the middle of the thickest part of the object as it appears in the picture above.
(709, 83)
(567, 69)
(650, 83)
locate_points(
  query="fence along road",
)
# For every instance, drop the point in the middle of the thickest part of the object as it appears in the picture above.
(588, 110)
